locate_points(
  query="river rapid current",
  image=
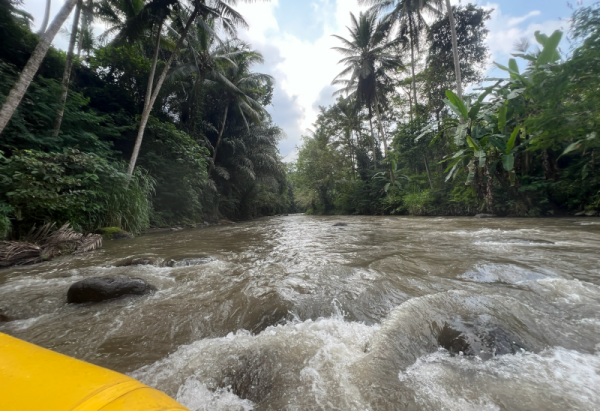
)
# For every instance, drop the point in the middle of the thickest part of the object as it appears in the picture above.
(294, 313)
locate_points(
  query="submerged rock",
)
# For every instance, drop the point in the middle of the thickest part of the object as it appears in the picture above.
(340, 225)
(485, 216)
(114, 233)
(140, 261)
(4, 318)
(188, 262)
(98, 289)
(485, 343)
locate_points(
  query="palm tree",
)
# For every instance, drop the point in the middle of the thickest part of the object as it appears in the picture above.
(409, 14)
(238, 84)
(368, 60)
(44, 24)
(201, 62)
(67, 70)
(206, 9)
(455, 49)
(33, 64)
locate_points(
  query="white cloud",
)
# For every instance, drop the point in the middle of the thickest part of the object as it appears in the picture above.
(518, 20)
(506, 31)
(303, 68)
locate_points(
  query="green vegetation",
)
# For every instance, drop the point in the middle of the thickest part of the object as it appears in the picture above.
(161, 119)
(156, 122)
(524, 145)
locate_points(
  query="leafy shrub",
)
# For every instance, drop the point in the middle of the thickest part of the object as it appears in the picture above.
(83, 189)
(178, 165)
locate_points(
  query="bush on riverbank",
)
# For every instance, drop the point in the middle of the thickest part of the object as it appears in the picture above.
(73, 187)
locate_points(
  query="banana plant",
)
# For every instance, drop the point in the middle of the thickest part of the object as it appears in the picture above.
(491, 130)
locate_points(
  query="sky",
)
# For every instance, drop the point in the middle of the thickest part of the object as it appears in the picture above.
(295, 37)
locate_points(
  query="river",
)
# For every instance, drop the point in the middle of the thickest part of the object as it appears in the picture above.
(294, 313)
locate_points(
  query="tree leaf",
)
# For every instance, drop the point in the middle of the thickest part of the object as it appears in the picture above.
(511, 141)
(508, 161)
(502, 117)
(512, 64)
(549, 54)
(458, 103)
(571, 147)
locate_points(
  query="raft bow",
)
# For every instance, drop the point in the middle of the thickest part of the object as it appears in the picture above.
(36, 379)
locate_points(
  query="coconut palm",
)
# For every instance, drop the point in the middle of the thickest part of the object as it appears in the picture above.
(33, 64)
(410, 16)
(67, 70)
(237, 86)
(368, 59)
(205, 9)
(200, 61)
(44, 24)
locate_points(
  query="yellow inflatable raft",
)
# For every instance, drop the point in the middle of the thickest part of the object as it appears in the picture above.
(35, 379)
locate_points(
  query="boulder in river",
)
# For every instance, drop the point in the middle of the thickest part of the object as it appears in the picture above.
(340, 225)
(485, 216)
(485, 343)
(188, 262)
(3, 317)
(114, 233)
(140, 261)
(591, 213)
(98, 289)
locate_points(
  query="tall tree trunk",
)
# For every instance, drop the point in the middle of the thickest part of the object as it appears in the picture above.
(427, 169)
(85, 24)
(161, 79)
(382, 137)
(214, 156)
(489, 192)
(148, 96)
(42, 28)
(410, 103)
(455, 49)
(373, 137)
(67, 71)
(354, 147)
(412, 62)
(33, 64)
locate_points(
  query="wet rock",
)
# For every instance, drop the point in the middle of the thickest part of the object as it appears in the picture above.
(98, 289)
(581, 214)
(114, 233)
(251, 376)
(484, 342)
(4, 318)
(485, 216)
(140, 261)
(454, 341)
(592, 213)
(188, 262)
(340, 225)
(176, 228)
(206, 223)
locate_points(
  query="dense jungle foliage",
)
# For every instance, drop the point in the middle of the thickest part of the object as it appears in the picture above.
(209, 148)
(401, 140)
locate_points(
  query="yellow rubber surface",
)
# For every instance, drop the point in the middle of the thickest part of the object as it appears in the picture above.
(35, 379)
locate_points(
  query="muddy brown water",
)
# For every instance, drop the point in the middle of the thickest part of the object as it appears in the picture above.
(385, 313)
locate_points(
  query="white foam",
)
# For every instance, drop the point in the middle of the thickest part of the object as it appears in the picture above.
(505, 273)
(197, 397)
(553, 379)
